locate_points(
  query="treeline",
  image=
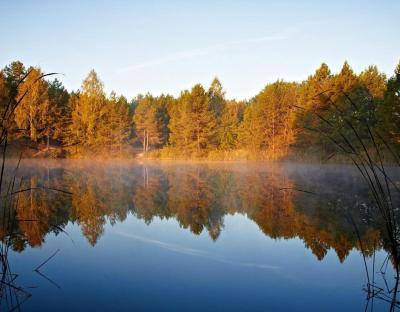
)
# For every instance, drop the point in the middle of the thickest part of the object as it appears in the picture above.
(284, 118)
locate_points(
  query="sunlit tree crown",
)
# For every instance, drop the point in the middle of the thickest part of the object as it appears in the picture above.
(92, 85)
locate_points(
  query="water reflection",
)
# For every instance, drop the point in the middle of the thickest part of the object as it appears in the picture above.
(324, 207)
(276, 198)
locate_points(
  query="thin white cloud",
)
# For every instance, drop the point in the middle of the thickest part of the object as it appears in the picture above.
(166, 59)
(201, 52)
(288, 33)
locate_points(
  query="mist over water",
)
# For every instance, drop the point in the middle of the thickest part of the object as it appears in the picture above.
(194, 236)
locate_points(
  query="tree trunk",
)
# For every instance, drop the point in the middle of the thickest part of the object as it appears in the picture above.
(144, 141)
(120, 139)
(273, 131)
(33, 130)
(198, 138)
(147, 142)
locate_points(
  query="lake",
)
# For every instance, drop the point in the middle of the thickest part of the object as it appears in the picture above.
(170, 236)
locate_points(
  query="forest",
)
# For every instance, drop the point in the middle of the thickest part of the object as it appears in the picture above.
(286, 119)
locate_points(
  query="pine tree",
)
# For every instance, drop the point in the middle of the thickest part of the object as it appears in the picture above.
(13, 74)
(61, 115)
(389, 111)
(268, 122)
(163, 104)
(34, 114)
(193, 123)
(147, 124)
(374, 81)
(313, 97)
(252, 129)
(117, 119)
(4, 92)
(344, 82)
(216, 98)
(87, 111)
(177, 123)
(228, 126)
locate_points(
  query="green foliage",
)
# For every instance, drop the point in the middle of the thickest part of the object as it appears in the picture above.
(34, 115)
(228, 126)
(342, 102)
(87, 112)
(116, 117)
(14, 73)
(268, 122)
(284, 117)
(4, 92)
(96, 120)
(58, 97)
(193, 123)
(389, 110)
(147, 122)
(216, 97)
(312, 97)
(374, 81)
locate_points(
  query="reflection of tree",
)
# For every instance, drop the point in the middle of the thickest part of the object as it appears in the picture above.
(149, 196)
(33, 206)
(88, 206)
(198, 197)
(37, 212)
(267, 200)
(328, 212)
(190, 198)
(98, 194)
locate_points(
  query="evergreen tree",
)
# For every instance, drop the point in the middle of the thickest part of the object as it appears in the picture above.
(344, 82)
(313, 97)
(147, 123)
(4, 93)
(216, 97)
(117, 119)
(177, 126)
(373, 81)
(198, 120)
(389, 110)
(33, 115)
(163, 104)
(228, 126)
(14, 74)
(59, 97)
(193, 123)
(87, 111)
(269, 121)
(251, 131)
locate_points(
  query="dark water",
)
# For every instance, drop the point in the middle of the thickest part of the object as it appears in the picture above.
(192, 237)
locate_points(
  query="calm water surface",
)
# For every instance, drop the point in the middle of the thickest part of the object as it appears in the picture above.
(192, 237)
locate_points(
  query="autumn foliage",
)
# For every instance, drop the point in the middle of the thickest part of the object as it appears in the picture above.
(278, 122)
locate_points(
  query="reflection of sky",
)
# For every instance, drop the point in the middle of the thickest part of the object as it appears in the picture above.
(135, 266)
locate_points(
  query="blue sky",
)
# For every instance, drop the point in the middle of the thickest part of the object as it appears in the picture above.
(166, 46)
